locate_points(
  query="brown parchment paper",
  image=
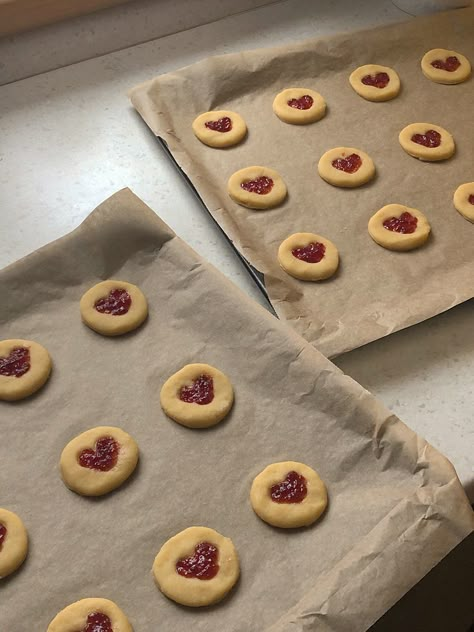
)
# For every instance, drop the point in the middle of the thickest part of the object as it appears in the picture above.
(376, 291)
(396, 505)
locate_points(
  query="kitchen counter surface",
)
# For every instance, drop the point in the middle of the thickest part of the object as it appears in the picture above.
(69, 139)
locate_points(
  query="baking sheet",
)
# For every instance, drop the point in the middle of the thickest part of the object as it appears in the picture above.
(396, 506)
(376, 291)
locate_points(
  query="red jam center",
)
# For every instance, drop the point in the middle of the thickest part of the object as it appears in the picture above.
(261, 185)
(405, 224)
(379, 80)
(470, 199)
(3, 534)
(223, 124)
(116, 303)
(17, 363)
(430, 139)
(350, 164)
(98, 622)
(103, 458)
(201, 391)
(312, 253)
(291, 490)
(303, 103)
(450, 64)
(202, 565)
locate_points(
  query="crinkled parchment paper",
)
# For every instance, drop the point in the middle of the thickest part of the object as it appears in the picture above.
(376, 292)
(396, 506)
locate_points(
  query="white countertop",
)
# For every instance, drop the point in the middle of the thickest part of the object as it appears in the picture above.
(69, 139)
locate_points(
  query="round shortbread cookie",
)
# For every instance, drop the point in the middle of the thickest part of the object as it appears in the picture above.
(197, 396)
(346, 167)
(445, 66)
(258, 188)
(375, 83)
(464, 200)
(197, 567)
(427, 141)
(13, 542)
(288, 495)
(98, 460)
(94, 614)
(299, 106)
(24, 368)
(308, 256)
(398, 227)
(219, 128)
(112, 308)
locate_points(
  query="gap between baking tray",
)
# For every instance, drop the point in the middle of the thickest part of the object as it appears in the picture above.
(256, 275)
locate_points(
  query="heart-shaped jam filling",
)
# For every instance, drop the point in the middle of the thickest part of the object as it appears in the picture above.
(470, 199)
(103, 458)
(117, 303)
(98, 622)
(350, 164)
(405, 224)
(201, 391)
(303, 103)
(223, 124)
(3, 534)
(312, 253)
(430, 139)
(379, 80)
(202, 565)
(261, 185)
(17, 363)
(292, 489)
(450, 64)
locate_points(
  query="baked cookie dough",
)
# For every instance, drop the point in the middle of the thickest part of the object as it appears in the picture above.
(91, 615)
(299, 106)
(375, 83)
(196, 567)
(257, 188)
(464, 200)
(13, 542)
(288, 495)
(308, 256)
(197, 396)
(98, 460)
(112, 308)
(219, 128)
(398, 227)
(427, 141)
(24, 368)
(346, 167)
(445, 66)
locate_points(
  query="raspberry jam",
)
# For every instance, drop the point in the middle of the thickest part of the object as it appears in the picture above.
(3, 534)
(470, 199)
(261, 185)
(312, 253)
(450, 64)
(405, 224)
(223, 125)
(117, 303)
(17, 363)
(202, 565)
(103, 458)
(430, 139)
(379, 80)
(201, 391)
(350, 164)
(98, 622)
(292, 489)
(303, 103)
